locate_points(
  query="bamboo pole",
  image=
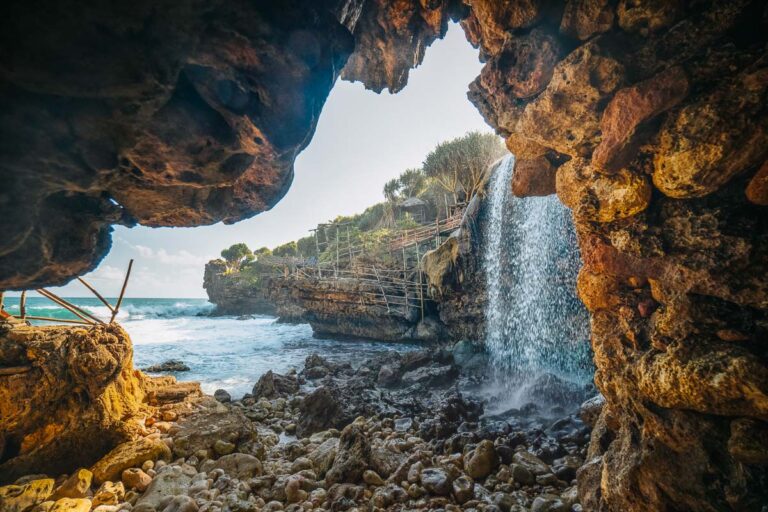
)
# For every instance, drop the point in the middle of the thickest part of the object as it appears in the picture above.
(23, 304)
(122, 292)
(89, 318)
(59, 320)
(97, 294)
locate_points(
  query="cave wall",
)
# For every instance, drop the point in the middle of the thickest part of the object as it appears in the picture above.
(647, 117)
(649, 121)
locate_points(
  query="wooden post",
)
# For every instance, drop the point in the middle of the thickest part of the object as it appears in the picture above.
(421, 295)
(2, 298)
(122, 292)
(84, 315)
(349, 244)
(97, 294)
(337, 251)
(23, 304)
(445, 196)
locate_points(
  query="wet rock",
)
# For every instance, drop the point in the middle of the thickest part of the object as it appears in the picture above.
(590, 410)
(214, 422)
(171, 365)
(323, 456)
(548, 504)
(436, 481)
(222, 447)
(372, 478)
(221, 395)
(403, 424)
(480, 462)
(274, 385)
(432, 375)
(463, 489)
(521, 474)
(352, 456)
(530, 462)
(128, 455)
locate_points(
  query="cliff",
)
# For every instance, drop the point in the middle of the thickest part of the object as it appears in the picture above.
(234, 294)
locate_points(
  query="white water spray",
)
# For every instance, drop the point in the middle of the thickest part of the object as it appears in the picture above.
(535, 325)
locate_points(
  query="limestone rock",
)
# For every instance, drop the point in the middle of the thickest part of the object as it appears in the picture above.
(390, 39)
(587, 77)
(71, 505)
(708, 142)
(171, 482)
(108, 493)
(135, 478)
(533, 177)
(21, 498)
(237, 465)
(214, 422)
(189, 136)
(629, 109)
(584, 18)
(323, 456)
(128, 455)
(77, 402)
(598, 197)
(76, 486)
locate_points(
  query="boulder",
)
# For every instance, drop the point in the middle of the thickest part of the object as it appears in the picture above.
(274, 385)
(352, 456)
(170, 482)
(76, 486)
(128, 455)
(236, 465)
(221, 395)
(135, 478)
(171, 365)
(21, 498)
(481, 461)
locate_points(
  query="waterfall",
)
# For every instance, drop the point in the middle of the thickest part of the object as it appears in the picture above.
(535, 324)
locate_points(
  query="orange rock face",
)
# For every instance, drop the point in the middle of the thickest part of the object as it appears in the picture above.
(69, 395)
(655, 119)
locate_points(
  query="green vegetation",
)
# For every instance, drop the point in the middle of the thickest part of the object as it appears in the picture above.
(451, 174)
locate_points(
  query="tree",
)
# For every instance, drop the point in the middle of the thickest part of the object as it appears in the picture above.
(391, 190)
(412, 182)
(263, 251)
(287, 249)
(459, 165)
(236, 255)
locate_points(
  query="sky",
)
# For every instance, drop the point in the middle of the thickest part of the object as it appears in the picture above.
(362, 140)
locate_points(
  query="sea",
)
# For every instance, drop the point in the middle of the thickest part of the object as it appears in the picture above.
(222, 352)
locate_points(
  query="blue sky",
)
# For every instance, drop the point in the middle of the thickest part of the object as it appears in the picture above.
(362, 140)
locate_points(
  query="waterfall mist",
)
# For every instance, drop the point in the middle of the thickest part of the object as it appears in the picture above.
(537, 330)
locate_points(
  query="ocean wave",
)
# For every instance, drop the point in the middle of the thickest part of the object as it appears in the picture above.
(133, 311)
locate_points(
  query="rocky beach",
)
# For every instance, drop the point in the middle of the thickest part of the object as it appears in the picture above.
(395, 433)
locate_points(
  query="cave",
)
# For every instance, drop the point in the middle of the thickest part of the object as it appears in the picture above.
(646, 118)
